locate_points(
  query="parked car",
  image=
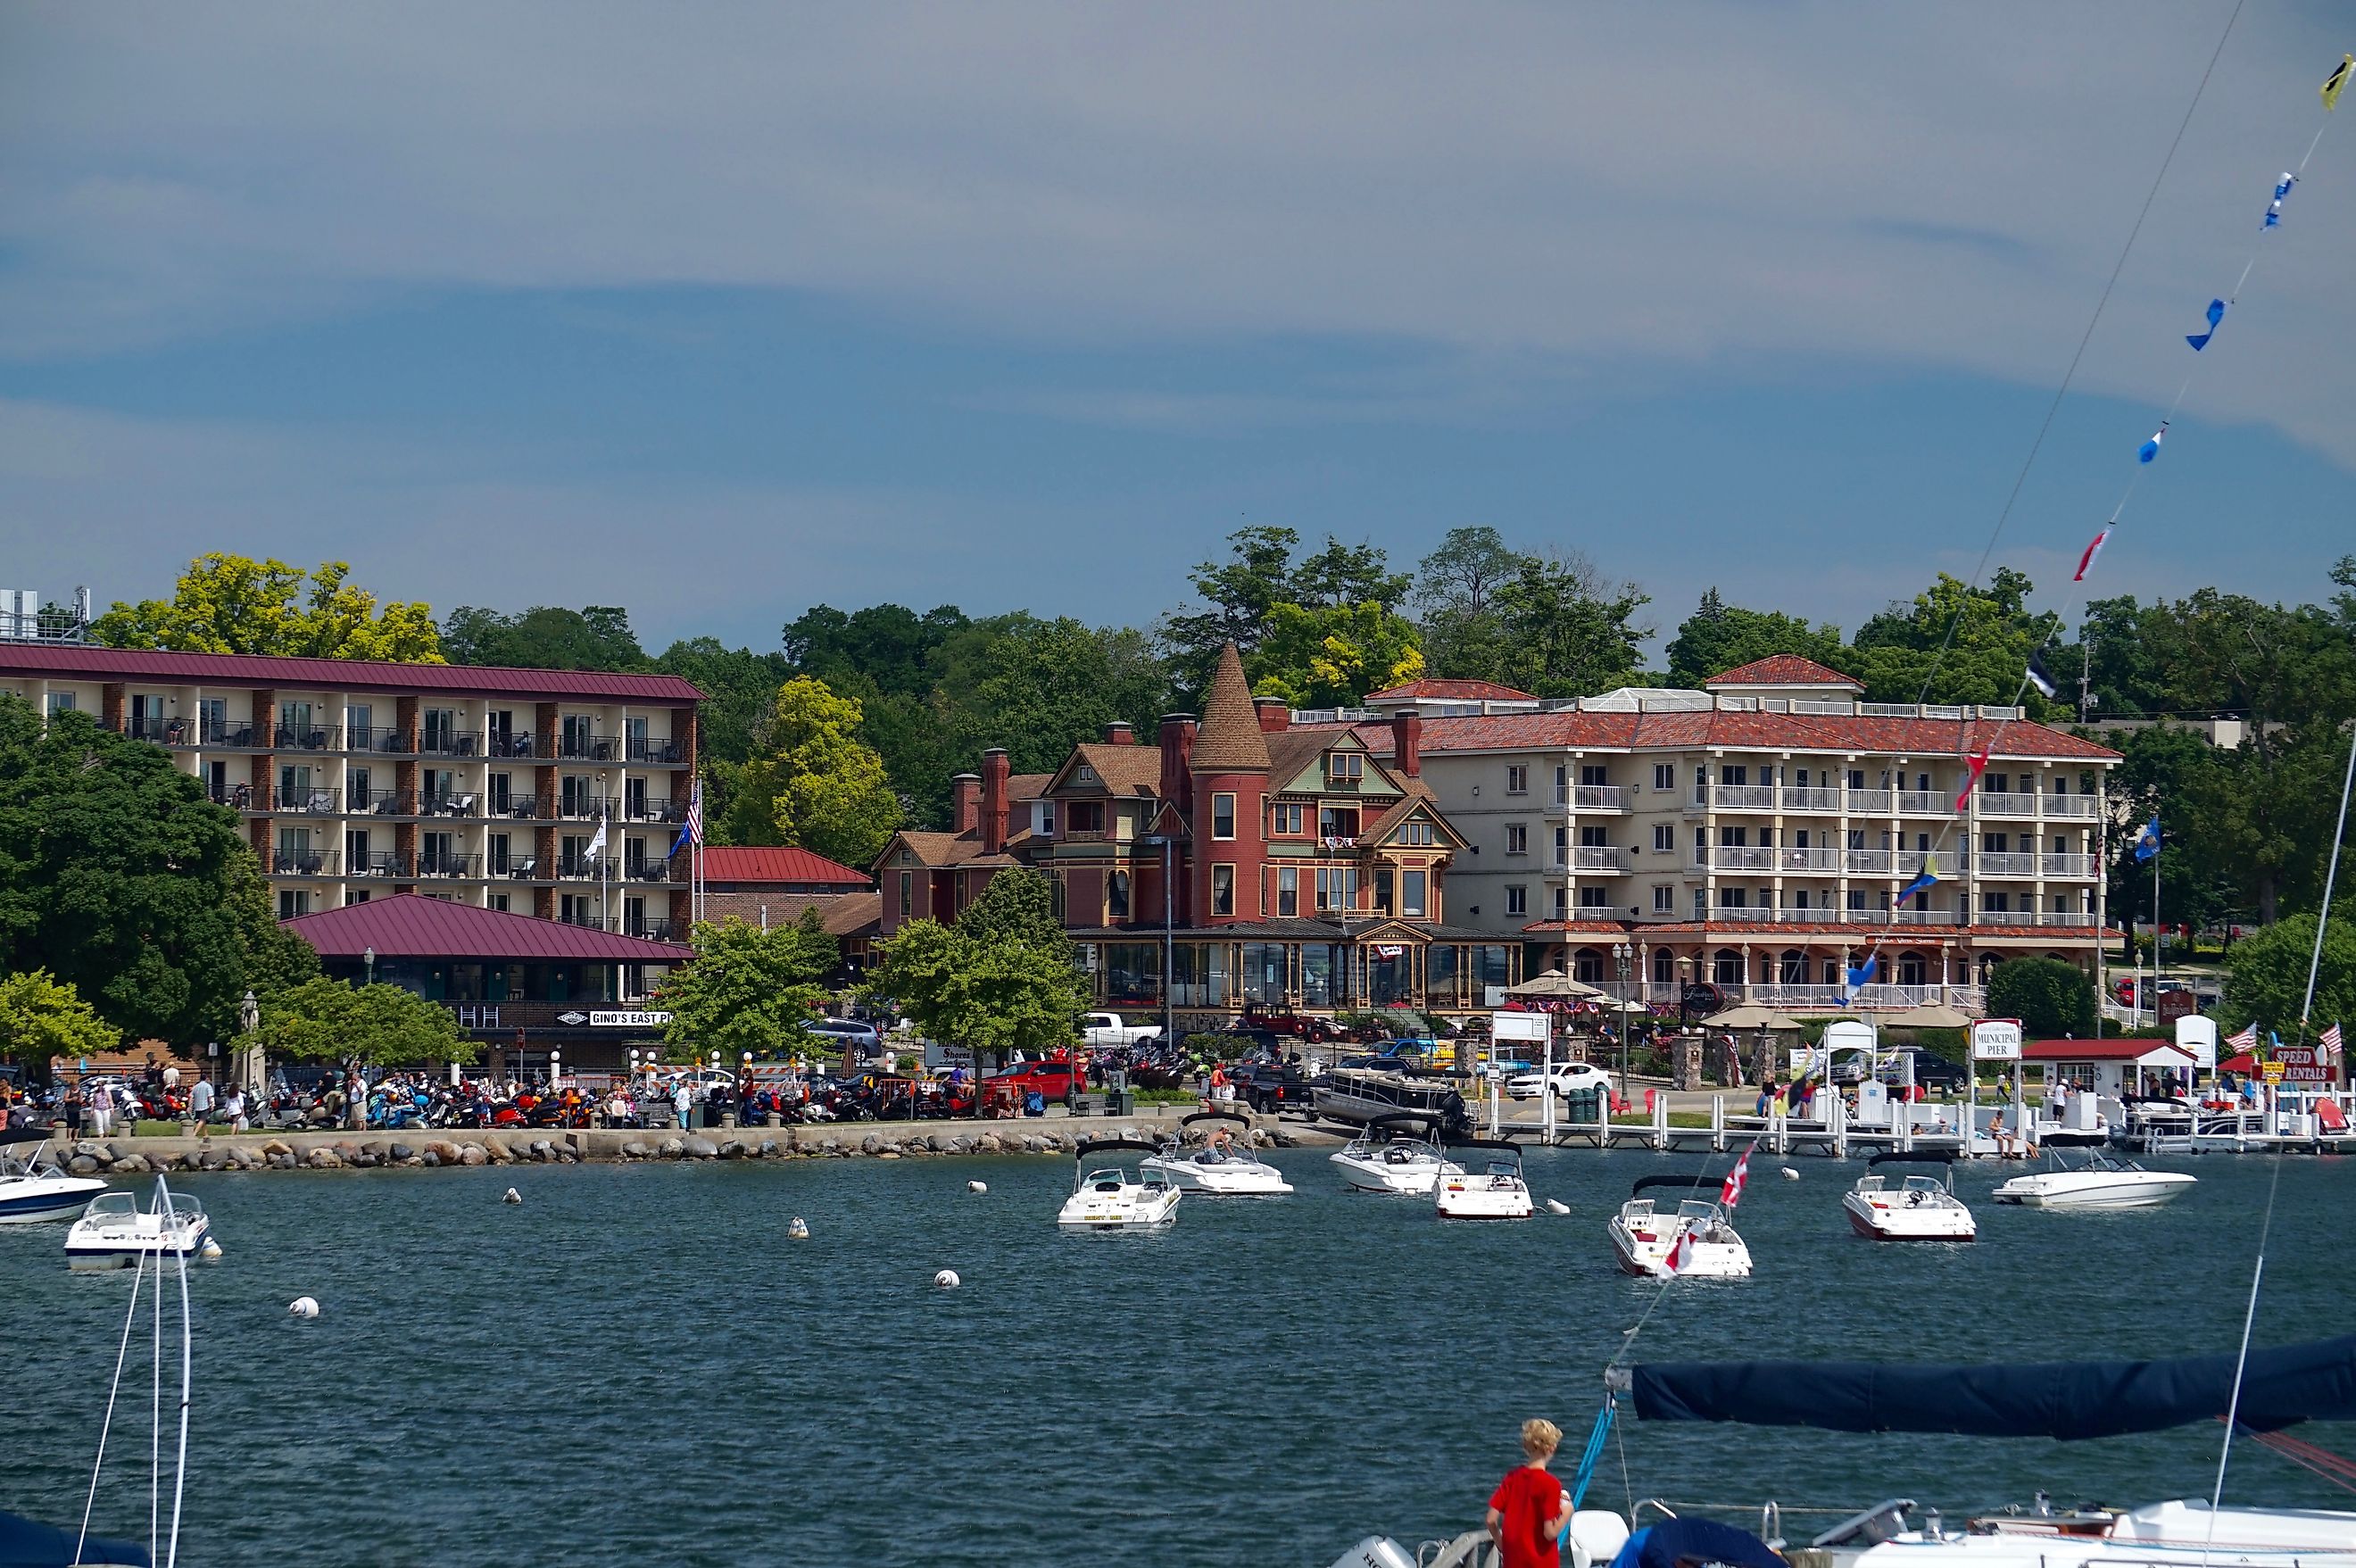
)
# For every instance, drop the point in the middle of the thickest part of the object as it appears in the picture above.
(848, 1034)
(1930, 1071)
(1272, 1086)
(1049, 1080)
(1567, 1078)
(1104, 1031)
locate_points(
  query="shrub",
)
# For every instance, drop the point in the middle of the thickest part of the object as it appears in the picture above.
(2049, 997)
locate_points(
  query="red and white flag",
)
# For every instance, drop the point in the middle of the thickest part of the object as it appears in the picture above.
(2247, 1039)
(2087, 561)
(1738, 1178)
(1974, 766)
(2329, 1041)
(1681, 1256)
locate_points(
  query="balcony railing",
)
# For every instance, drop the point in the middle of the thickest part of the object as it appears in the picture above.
(1879, 860)
(143, 728)
(1870, 802)
(645, 871)
(508, 743)
(452, 743)
(1827, 801)
(1598, 797)
(383, 803)
(2068, 865)
(239, 796)
(652, 748)
(584, 808)
(308, 737)
(1596, 857)
(523, 868)
(1737, 857)
(1910, 861)
(238, 736)
(303, 862)
(2084, 808)
(583, 747)
(1741, 912)
(451, 805)
(449, 865)
(381, 862)
(310, 802)
(580, 918)
(588, 867)
(2076, 919)
(2002, 863)
(1993, 804)
(651, 931)
(656, 809)
(1744, 797)
(1807, 859)
(385, 740)
(1926, 803)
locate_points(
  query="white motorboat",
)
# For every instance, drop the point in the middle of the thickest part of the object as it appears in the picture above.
(1107, 1197)
(1392, 1155)
(32, 1187)
(1920, 1208)
(1643, 1235)
(114, 1233)
(2097, 1181)
(1494, 1191)
(1221, 1167)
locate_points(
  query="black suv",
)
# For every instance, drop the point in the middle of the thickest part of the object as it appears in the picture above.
(1930, 1071)
(1272, 1086)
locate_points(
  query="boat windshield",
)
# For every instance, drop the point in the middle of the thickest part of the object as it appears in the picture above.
(1923, 1184)
(111, 1206)
(1110, 1179)
(1502, 1168)
(1694, 1208)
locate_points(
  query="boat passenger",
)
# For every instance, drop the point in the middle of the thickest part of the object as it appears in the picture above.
(1529, 1508)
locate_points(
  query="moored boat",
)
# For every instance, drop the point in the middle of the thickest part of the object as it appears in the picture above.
(1643, 1235)
(1105, 1196)
(33, 1188)
(1491, 1187)
(1221, 1167)
(114, 1233)
(1919, 1208)
(1394, 1155)
(2096, 1181)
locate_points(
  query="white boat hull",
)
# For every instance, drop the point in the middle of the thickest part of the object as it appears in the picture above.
(2095, 1190)
(119, 1246)
(1646, 1254)
(1887, 1217)
(38, 1199)
(1128, 1211)
(1463, 1196)
(2158, 1535)
(1224, 1179)
(1408, 1178)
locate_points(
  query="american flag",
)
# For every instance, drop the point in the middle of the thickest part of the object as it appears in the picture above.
(691, 831)
(2247, 1040)
(1737, 1178)
(2330, 1040)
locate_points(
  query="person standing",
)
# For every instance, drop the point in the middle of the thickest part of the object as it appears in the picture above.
(72, 1109)
(1529, 1508)
(201, 1099)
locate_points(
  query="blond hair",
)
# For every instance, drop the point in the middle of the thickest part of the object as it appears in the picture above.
(1540, 1437)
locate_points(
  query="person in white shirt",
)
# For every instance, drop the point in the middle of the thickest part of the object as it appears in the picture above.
(102, 1111)
(201, 1099)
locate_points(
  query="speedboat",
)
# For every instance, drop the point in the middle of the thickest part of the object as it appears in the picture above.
(32, 1187)
(2098, 1181)
(1921, 1208)
(1643, 1235)
(1496, 1191)
(1107, 1197)
(1220, 1168)
(114, 1233)
(1392, 1156)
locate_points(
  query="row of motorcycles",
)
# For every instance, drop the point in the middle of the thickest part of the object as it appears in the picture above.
(400, 1107)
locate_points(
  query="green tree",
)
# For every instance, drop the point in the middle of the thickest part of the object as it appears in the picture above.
(1240, 595)
(1017, 905)
(1036, 687)
(739, 687)
(1718, 637)
(41, 1018)
(1953, 643)
(2269, 974)
(119, 878)
(232, 604)
(812, 783)
(2049, 997)
(990, 995)
(1333, 656)
(749, 989)
(1562, 630)
(1457, 579)
(545, 637)
(325, 1020)
(890, 645)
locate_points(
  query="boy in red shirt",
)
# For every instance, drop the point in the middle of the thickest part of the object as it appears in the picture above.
(1529, 1508)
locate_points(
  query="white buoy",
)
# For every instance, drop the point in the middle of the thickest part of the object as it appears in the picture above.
(1791, 1175)
(946, 1279)
(303, 1306)
(511, 1196)
(798, 1228)
(1556, 1206)
(211, 1251)
(977, 1186)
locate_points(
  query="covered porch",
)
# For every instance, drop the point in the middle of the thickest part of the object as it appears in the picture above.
(1301, 967)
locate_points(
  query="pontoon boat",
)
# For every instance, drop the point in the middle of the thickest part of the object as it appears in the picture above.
(1221, 1167)
(1107, 1197)
(32, 1187)
(1642, 1236)
(1923, 1208)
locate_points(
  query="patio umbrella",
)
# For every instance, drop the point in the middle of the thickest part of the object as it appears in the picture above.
(1553, 982)
(1931, 1015)
(1751, 1015)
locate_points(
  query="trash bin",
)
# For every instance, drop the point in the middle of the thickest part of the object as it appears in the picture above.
(1120, 1103)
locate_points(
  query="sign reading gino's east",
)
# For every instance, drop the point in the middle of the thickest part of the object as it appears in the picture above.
(628, 1020)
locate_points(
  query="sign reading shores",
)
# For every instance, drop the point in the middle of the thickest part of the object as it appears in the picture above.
(1521, 1027)
(1996, 1040)
(628, 1020)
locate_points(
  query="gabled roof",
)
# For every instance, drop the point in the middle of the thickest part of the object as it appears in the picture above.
(74, 661)
(1230, 740)
(1122, 769)
(2127, 1050)
(1783, 670)
(410, 925)
(1450, 691)
(1381, 829)
(762, 863)
(852, 914)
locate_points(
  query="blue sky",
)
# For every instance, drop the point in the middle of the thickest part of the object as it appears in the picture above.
(1027, 308)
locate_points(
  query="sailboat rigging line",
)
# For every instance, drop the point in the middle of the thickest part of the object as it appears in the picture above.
(2242, 1359)
(180, 1458)
(2069, 374)
(1628, 1340)
(122, 1352)
(2322, 1462)
(156, 1413)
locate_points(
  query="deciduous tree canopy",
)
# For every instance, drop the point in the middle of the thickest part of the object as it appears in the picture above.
(231, 604)
(749, 989)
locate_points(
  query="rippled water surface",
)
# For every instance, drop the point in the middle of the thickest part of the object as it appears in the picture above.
(636, 1367)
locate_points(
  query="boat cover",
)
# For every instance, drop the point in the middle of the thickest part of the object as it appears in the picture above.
(2066, 1400)
(24, 1544)
(1680, 1540)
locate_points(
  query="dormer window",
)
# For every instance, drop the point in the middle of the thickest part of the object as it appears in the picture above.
(1345, 767)
(1084, 774)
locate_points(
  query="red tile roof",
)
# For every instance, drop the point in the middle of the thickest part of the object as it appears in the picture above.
(75, 662)
(1743, 731)
(2098, 1050)
(1453, 692)
(1784, 669)
(768, 864)
(410, 925)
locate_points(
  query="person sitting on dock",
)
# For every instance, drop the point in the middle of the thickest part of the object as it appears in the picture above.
(2003, 1136)
(1529, 1508)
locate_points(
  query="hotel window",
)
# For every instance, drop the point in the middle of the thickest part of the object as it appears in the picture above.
(1702, 846)
(1287, 891)
(1562, 785)
(1562, 902)
(1591, 774)
(290, 904)
(1731, 773)
(1412, 892)
(497, 853)
(1734, 897)
(360, 896)
(1594, 897)
(1117, 896)
(1593, 838)
(1857, 899)
(496, 901)
(1664, 900)
(1665, 838)
(1223, 890)
(1996, 903)
(907, 893)
(1664, 776)
(1517, 901)
(1517, 780)
(212, 720)
(1222, 816)
(1517, 838)
(60, 702)
(1292, 818)
(1857, 778)
(1562, 845)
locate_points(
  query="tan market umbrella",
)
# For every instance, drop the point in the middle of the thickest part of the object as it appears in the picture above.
(1553, 982)
(1751, 1015)
(1929, 1015)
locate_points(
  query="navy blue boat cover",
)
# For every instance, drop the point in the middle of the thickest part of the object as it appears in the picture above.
(24, 1544)
(2057, 1399)
(1674, 1541)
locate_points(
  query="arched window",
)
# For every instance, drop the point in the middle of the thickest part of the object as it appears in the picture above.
(1726, 967)
(1795, 967)
(1665, 967)
(1587, 965)
(1912, 970)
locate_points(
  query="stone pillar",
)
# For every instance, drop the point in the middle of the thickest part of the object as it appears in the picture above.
(1684, 1066)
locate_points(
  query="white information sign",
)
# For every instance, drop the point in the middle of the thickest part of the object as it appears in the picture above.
(2199, 1036)
(1521, 1027)
(627, 1020)
(1996, 1040)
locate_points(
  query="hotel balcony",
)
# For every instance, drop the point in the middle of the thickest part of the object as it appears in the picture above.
(1820, 802)
(652, 931)
(2007, 805)
(1870, 802)
(303, 862)
(451, 743)
(1743, 797)
(383, 803)
(1600, 858)
(515, 808)
(382, 740)
(381, 863)
(2082, 808)
(459, 805)
(307, 802)
(1869, 860)
(1926, 803)
(589, 867)
(1591, 798)
(2069, 866)
(1739, 858)
(653, 810)
(1997, 863)
(308, 737)
(655, 749)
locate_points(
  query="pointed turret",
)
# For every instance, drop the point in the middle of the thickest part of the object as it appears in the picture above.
(1231, 739)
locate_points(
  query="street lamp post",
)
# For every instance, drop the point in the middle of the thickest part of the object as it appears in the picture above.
(1168, 997)
(1623, 965)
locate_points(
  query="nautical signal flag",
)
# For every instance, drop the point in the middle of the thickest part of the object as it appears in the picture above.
(1924, 879)
(1862, 975)
(2086, 562)
(2150, 449)
(1681, 1256)
(2147, 839)
(2273, 208)
(2039, 676)
(2199, 340)
(1738, 1178)
(2336, 80)
(1974, 766)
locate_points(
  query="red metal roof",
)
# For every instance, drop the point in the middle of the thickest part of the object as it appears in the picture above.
(410, 925)
(1744, 731)
(1784, 669)
(762, 863)
(2097, 1050)
(77, 662)
(1453, 691)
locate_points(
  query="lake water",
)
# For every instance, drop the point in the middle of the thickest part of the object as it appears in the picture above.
(636, 1367)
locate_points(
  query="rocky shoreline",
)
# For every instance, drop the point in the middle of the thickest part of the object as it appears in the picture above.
(353, 1151)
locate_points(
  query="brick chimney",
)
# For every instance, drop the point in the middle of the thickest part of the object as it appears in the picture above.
(1178, 760)
(993, 800)
(965, 804)
(1118, 733)
(1407, 743)
(1275, 714)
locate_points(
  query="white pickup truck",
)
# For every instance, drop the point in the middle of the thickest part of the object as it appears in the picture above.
(1106, 1029)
